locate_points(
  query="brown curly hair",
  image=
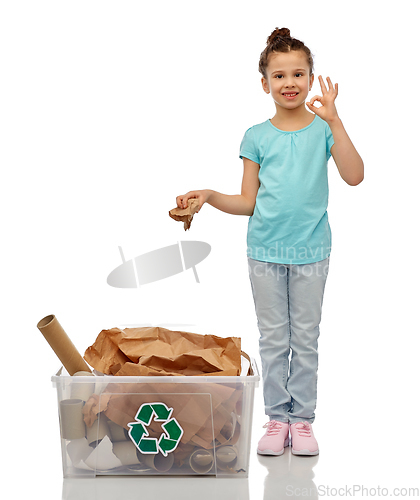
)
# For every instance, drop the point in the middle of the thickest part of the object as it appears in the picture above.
(281, 41)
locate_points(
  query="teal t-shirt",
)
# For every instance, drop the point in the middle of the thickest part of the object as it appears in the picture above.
(290, 221)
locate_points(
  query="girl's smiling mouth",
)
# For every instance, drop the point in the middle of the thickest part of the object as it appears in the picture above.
(290, 95)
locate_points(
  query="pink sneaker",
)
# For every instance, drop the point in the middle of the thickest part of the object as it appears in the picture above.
(275, 439)
(303, 439)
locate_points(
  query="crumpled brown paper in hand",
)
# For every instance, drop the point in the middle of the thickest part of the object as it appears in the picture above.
(159, 351)
(185, 214)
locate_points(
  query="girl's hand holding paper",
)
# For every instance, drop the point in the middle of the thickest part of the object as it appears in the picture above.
(202, 196)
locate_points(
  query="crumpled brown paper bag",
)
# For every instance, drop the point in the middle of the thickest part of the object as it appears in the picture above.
(185, 214)
(159, 351)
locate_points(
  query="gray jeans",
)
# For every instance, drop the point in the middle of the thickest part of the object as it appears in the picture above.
(288, 303)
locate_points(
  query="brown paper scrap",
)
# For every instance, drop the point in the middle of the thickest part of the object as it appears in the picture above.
(185, 214)
(158, 351)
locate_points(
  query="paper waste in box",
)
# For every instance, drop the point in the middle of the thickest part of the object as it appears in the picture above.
(159, 351)
(160, 402)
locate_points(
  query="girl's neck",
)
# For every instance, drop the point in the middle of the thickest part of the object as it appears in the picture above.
(292, 119)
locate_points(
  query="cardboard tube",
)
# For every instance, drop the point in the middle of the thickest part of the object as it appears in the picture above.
(78, 450)
(71, 419)
(226, 457)
(126, 452)
(118, 433)
(62, 345)
(102, 458)
(97, 432)
(157, 462)
(82, 390)
(201, 461)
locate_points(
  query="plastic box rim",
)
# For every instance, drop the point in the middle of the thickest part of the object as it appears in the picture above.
(214, 379)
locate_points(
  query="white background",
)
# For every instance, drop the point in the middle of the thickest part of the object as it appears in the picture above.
(111, 109)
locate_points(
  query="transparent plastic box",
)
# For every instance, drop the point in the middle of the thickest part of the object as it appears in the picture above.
(163, 425)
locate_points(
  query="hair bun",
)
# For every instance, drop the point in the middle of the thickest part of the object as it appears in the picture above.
(278, 33)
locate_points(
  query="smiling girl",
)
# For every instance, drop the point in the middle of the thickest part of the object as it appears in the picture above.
(285, 193)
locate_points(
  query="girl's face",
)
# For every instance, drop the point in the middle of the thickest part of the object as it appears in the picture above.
(288, 79)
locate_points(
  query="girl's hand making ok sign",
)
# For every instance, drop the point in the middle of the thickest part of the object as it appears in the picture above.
(327, 111)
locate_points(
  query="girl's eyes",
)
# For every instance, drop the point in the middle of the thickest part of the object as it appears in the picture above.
(281, 76)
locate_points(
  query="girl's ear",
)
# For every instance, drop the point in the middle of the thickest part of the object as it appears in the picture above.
(265, 85)
(311, 81)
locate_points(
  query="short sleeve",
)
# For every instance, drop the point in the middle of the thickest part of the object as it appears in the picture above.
(248, 148)
(329, 140)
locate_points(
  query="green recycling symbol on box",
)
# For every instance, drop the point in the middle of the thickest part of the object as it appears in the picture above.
(168, 440)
